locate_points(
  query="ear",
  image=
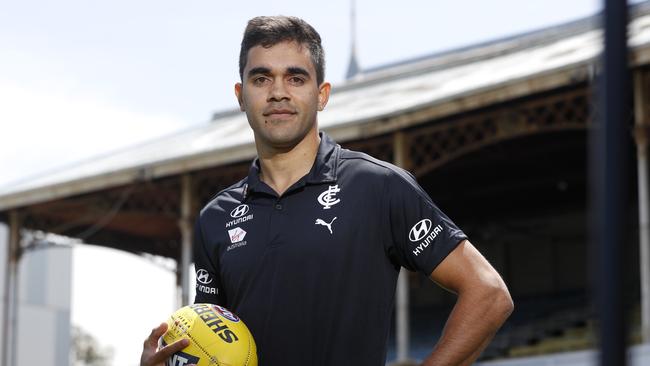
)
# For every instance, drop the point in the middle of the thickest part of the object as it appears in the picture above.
(323, 95)
(240, 98)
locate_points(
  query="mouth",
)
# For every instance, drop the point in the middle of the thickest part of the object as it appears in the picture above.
(279, 114)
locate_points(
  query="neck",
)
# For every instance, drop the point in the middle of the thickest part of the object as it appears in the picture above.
(281, 168)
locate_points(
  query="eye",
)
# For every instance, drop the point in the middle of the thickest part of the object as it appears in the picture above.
(296, 80)
(260, 80)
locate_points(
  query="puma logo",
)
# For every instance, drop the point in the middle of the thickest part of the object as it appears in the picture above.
(322, 222)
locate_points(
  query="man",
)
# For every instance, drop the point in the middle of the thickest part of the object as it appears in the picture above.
(307, 248)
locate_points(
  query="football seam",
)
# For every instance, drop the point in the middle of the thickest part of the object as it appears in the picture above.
(211, 357)
(248, 356)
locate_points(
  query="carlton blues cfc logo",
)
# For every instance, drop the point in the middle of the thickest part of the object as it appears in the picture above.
(328, 198)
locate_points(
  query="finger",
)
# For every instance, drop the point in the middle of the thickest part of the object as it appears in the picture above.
(163, 354)
(157, 332)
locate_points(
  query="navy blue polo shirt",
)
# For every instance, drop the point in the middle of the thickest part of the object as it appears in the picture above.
(313, 272)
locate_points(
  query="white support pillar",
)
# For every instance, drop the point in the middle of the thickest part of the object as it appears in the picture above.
(402, 315)
(641, 137)
(185, 225)
(10, 309)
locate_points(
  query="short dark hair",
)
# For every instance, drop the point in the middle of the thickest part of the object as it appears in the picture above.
(268, 31)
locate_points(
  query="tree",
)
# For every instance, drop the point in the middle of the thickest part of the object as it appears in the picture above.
(86, 351)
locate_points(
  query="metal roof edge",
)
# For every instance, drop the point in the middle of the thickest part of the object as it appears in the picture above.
(469, 100)
(216, 116)
(90, 159)
(483, 50)
(146, 172)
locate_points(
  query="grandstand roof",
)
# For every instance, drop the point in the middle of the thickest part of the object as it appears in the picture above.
(375, 101)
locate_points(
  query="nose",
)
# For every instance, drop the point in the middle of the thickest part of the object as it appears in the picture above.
(278, 92)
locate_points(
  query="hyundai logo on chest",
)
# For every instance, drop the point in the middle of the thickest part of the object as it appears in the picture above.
(239, 211)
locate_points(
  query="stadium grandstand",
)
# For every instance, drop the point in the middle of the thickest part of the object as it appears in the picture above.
(497, 133)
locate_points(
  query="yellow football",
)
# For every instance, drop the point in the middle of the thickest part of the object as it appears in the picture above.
(217, 337)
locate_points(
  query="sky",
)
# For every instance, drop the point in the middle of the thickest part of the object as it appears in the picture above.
(83, 78)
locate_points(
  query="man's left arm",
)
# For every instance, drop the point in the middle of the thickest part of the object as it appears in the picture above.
(483, 305)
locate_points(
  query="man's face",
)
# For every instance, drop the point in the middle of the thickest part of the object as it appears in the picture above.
(280, 94)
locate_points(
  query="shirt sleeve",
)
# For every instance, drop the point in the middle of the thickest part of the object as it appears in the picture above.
(208, 279)
(421, 234)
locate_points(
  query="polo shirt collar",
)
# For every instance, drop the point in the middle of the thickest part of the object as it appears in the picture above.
(323, 171)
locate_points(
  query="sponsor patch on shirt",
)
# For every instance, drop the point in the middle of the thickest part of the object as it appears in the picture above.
(423, 233)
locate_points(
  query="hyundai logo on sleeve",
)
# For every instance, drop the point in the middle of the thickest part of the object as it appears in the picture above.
(420, 230)
(423, 232)
(203, 276)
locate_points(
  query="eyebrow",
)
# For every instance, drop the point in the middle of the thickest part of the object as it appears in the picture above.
(292, 70)
(259, 70)
(297, 71)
